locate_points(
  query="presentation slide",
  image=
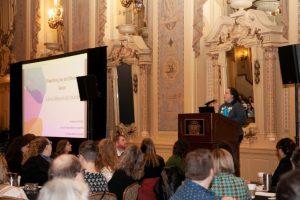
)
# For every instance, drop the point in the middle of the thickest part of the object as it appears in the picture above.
(51, 103)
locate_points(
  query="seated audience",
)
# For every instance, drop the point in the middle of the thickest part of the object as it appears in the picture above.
(64, 188)
(130, 170)
(285, 148)
(120, 142)
(63, 147)
(171, 178)
(5, 188)
(16, 150)
(288, 187)
(107, 158)
(199, 173)
(66, 166)
(88, 153)
(35, 169)
(296, 159)
(154, 164)
(179, 151)
(225, 183)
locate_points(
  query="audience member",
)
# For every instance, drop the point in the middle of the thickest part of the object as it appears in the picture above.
(5, 188)
(120, 142)
(129, 171)
(63, 146)
(171, 178)
(66, 166)
(107, 158)
(88, 153)
(35, 169)
(64, 188)
(15, 152)
(289, 186)
(154, 164)
(285, 148)
(180, 149)
(199, 174)
(296, 159)
(225, 183)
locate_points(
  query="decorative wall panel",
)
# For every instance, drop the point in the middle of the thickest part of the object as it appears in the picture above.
(19, 46)
(80, 24)
(36, 27)
(170, 63)
(100, 21)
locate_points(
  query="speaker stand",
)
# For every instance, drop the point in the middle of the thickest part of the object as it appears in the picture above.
(297, 114)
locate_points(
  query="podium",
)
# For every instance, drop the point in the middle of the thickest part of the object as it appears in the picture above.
(210, 130)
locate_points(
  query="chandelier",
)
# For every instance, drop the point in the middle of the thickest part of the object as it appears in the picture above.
(55, 16)
(137, 4)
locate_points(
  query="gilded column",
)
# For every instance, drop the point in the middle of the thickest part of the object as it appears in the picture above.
(144, 99)
(214, 79)
(269, 72)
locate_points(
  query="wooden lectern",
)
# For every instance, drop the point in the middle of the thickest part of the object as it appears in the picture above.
(210, 130)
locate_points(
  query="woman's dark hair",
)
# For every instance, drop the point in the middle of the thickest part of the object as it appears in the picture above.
(180, 148)
(14, 149)
(234, 94)
(61, 146)
(171, 179)
(287, 146)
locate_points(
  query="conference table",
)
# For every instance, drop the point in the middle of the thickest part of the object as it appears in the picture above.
(265, 196)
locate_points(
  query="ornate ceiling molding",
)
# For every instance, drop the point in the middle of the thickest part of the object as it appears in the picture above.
(245, 28)
(131, 50)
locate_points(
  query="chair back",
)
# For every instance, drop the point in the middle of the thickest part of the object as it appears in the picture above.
(102, 196)
(131, 192)
(146, 191)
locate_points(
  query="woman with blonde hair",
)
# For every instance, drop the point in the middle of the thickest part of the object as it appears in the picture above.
(130, 170)
(225, 183)
(154, 165)
(107, 158)
(5, 188)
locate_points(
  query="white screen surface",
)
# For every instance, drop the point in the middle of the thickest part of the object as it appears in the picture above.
(51, 103)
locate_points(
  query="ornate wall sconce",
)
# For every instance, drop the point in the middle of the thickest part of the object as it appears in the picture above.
(55, 16)
(137, 4)
(244, 55)
(257, 71)
(135, 83)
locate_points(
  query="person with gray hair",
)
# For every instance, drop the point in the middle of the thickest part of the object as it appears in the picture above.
(288, 187)
(64, 188)
(66, 166)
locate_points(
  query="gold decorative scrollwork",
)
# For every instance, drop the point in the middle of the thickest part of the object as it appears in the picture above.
(135, 83)
(257, 71)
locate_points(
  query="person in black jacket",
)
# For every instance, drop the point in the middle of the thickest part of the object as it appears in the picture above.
(285, 148)
(35, 169)
(233, 109)
(130, 170)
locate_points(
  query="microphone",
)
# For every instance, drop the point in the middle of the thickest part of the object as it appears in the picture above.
(209, 102)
